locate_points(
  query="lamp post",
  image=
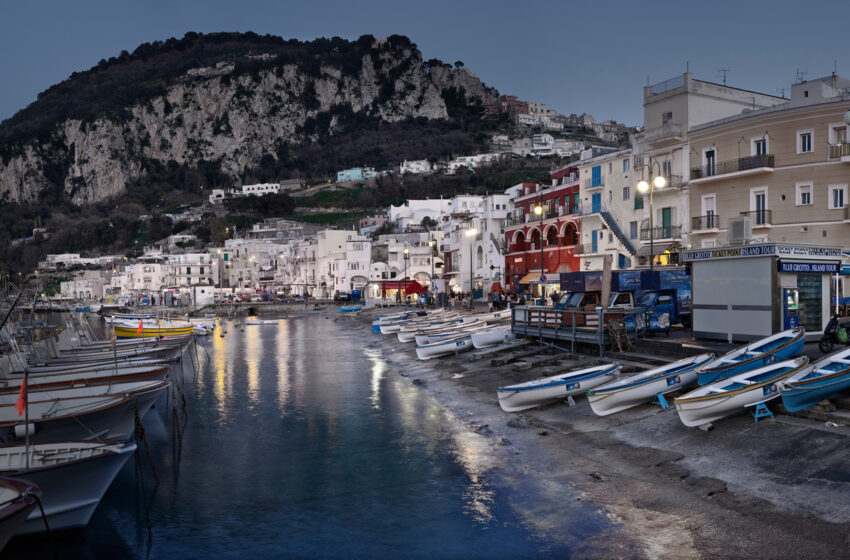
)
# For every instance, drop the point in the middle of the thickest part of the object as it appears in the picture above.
(404, 277)
(657, 182)
(431, 244)
(539, 211)
(470, 233)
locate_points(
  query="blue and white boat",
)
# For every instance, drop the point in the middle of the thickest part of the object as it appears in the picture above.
(642, 387)
(392, 317)
(816, 381)
(736, 393)
(453, 345)
(775, 348)
(522, 396)
(350, 308)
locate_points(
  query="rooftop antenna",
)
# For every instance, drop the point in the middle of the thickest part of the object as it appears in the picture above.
(801, 75)
(781, 92)
(724, 71)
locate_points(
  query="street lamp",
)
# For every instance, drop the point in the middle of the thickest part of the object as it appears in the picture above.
(470, 233)
(658, 182)
(404, 276)
(431, 244)
(539, 211)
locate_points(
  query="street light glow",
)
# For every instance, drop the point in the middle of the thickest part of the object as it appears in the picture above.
(659, 182)
(538, 209)
(643, 186)
(471, 231)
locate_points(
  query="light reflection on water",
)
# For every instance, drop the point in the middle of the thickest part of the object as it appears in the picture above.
(302, 442)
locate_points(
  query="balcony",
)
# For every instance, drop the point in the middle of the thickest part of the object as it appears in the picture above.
(669, 131)
(445, 247)
(840, 151)
(751, 165)
(707, 222)
(759, 218)
(847, 214)
(594, 184)
(661, 232)
(511, 221)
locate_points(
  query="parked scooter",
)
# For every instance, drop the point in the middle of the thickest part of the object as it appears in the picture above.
(835, 333)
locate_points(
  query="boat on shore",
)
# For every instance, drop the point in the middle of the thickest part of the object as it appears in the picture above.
(774, 348)
(73, 477)
(350, 309)
(642, 387)
(523, 396)
(492, 336)
(817, 381)
(733, 394)
(453, 345)
(18, 498)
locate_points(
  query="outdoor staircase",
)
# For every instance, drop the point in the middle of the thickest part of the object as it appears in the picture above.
(612, 223)
(497, 243)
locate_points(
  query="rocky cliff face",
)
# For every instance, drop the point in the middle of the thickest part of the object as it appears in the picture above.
(216, 114)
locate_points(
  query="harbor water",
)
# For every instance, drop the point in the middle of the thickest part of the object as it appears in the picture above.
(299, 440)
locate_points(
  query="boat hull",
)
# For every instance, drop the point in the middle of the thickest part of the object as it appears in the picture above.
(514, 400)
(712, 375)
(697, 413)
(437, 349)
(71, 490)
(20, 498)
(611, 403)
(485, 339)
(800, 397)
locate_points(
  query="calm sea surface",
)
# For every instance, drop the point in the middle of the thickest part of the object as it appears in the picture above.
(299, 441)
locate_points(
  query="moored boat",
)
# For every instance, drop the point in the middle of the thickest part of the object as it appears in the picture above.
(18, 498)
(350, 308)
(817, 381)
(73, 477)
(642, 387)
(733, 394)
(452, 345)
(492, 336)
(530, 394)
(774, 348)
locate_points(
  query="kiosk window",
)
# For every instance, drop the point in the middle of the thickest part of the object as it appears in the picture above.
(811, 301)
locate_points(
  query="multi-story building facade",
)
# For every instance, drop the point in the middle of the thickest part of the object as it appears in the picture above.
(786, 168)
(672, 108)
(609, 225)
(548, 242)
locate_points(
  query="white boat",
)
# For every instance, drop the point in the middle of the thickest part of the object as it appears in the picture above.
(18, 498)
(644, 386)
(83, 413)
(410, 332)
(530, 394)
(85, 378)
(262, 321)
(733, 394)
(492, 336)
(395, 326)
(470, 329)
(73, 477)
(453, 345)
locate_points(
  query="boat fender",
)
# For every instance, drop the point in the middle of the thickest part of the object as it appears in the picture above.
(23, 430)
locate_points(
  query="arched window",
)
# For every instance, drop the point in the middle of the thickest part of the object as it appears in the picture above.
(551, 236)
(519, 242)
(535, 240)
(570, 234)
(480, 260)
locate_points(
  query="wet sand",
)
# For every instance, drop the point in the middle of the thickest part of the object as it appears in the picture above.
(773, 489)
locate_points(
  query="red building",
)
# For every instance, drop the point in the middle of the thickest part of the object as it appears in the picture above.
(560, 224)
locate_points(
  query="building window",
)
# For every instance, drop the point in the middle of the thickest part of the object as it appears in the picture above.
(626, 165)
(837, 134)
(638, 203)
(626, 193)
(202, 270)
(804, 141)
(837, 196)
(633, 230)
(759, 146)
(667, 169)
(188, 270)
(804, 194)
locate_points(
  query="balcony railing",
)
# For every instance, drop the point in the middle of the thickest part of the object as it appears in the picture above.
(709, 221)
(664, 132)
(661, 232)
(759, 217)
(839, 150)
(513, 221)
(593, 184)
(732, 166)
(445, 247)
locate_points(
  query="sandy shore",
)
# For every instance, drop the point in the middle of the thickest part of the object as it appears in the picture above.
(776, 489)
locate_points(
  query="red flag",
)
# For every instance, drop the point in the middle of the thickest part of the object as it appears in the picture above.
(139, 330)
(21, 403)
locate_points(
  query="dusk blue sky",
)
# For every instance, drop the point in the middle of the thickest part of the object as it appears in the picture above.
(589, 56)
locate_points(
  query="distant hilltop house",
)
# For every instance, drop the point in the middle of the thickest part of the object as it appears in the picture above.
(417, 166)
(356, 174)
(471, 162)
(217, 196)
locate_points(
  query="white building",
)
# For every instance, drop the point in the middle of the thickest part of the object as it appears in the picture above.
(410, 214)
(260, 189)
(416, 166)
